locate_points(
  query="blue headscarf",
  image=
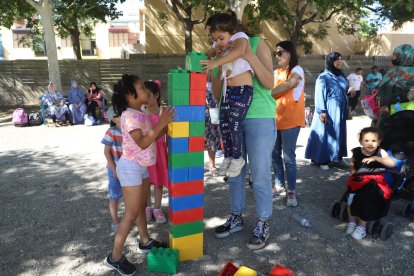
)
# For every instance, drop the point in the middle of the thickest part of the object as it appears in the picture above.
(330, 59)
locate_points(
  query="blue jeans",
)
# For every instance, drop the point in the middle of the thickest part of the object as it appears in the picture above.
(259, 136)
(286, 141)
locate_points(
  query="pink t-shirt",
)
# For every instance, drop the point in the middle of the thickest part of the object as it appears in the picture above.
(132, 119)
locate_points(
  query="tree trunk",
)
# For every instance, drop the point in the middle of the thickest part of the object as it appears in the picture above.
(188, 26)
(46, 19)
(237, 6)
(75, 38)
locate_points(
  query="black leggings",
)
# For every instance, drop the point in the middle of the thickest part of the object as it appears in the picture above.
(92, 108)
(353, 101)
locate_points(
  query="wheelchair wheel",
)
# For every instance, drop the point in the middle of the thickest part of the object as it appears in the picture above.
(406, 210)
(370, 227)
(343, 212)
(336, 208)
(386, 231)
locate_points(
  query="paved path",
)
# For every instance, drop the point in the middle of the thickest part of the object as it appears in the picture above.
(54, 218)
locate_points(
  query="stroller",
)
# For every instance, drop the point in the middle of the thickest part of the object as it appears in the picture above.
(398, 140)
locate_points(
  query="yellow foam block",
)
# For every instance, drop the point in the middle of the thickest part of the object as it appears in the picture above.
(190, 247)
(179, 129)
(245, 271)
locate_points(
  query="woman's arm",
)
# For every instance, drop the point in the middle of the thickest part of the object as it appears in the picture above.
(285, 87)
(261, 62)
(237, 51)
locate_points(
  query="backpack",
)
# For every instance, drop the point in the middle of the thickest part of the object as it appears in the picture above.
(20, 117)
(35, 119)
(369, 105)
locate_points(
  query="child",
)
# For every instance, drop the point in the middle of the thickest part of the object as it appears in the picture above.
(113, 151)
(138, 153)
(237, 75)
(369, 193)
(158, 173)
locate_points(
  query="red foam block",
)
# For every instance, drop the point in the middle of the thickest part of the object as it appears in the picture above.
(186, 216)
(198, 97)
(228, 270)
(186, 188)
(279, 270)
(196, 143)
(198, 81)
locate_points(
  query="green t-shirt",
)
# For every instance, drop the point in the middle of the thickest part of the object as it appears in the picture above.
(263, 104)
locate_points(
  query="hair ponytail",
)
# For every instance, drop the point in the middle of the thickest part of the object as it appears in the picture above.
(122, 88)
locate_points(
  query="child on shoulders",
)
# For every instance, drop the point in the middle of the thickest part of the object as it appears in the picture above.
(237, 75)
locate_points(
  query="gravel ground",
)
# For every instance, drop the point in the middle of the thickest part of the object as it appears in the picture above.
(55, 220)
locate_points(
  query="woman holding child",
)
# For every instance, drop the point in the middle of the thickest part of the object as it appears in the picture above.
(257, 129)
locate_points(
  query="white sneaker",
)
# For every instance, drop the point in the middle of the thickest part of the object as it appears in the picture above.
(359, 233)
(324, 167)
(224, 166)
(351, 228)
(235, 167)
(291, 199)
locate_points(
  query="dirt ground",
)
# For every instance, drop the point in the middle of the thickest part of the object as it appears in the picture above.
(54, 217)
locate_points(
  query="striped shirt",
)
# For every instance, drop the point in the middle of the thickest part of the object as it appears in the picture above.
(113, 139)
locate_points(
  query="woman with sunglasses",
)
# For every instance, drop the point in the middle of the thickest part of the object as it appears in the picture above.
(290, 114)
(327, 140)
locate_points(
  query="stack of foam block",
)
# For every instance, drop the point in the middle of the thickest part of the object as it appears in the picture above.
(187, 93)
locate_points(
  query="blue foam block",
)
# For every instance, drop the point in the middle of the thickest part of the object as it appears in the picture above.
(196, 173)
(186, 202)
(178, 174)
(182, 113)
(197, 113)
(177, 145)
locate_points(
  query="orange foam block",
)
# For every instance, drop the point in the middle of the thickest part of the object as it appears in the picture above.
(228, 270)
(196, 143)
(185, 216)
(186, 188)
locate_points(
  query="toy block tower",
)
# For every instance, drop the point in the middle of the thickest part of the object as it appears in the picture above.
(187, 93)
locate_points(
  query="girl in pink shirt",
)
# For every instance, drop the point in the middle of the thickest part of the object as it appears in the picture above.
(138, 153)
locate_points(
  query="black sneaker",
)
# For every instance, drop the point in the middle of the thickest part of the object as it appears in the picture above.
(233, 224)
(123, 266)
(152, 243)
(260, 235)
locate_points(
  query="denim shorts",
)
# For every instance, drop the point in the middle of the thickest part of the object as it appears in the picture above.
(114, 187)
(130, 173)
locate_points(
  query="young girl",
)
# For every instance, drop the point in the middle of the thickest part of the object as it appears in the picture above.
(369, 192)
(237, 75)
(158, 173)
(138, 153)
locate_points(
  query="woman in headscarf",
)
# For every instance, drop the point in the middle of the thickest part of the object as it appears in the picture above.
(57, 108)
(397, 82)
(77, 106)
(95, 96)
(327, 139)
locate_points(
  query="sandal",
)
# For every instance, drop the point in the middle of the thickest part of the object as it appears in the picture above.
(214, 172)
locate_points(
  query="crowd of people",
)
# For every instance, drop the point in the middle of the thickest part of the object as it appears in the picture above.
(253, 113)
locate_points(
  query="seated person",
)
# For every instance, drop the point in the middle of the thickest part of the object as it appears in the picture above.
(57, 108)
(77, 106)
(369, 194)
(95, 97)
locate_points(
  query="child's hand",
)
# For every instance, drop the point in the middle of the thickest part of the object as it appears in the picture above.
(208, 64)
(369, 159)
(166, 116)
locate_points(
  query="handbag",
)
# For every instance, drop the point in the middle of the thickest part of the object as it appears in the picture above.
(214, 115)
(369, 105)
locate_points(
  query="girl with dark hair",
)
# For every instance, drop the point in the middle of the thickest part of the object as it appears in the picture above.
(238, 90)
(290, 114)
(327, 139)
(158, 173)
(138, 148)
(95, 96)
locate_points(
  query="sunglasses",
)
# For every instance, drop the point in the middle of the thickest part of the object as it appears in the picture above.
(278, 53)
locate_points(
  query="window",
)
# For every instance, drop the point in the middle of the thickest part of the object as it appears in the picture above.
(21, 40)
(66, 42)
(117, 39)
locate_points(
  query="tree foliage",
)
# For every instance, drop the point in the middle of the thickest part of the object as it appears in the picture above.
(303, 20)
(396, 11)
(71, 17)
(186, 12)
